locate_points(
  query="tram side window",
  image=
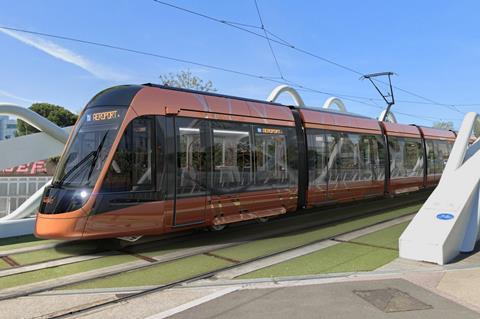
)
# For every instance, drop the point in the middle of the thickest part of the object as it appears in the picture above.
(442, 152)
(430, 157)
(131, 168)
(406, 157)
(397, 157)
(317, 157)
(191, 158)
(231, 156)
(414, 162)
(160, 151)
(142, 172)
(276, 157)
(355, 157)
(378, 157)
(449, 147)
(334, 145)
(358, 157)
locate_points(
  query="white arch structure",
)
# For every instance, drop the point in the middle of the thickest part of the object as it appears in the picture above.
(335, 101)
(331, 101)
(390, 117)
(24, 149)
(35, 120)
(279, 90)
(449, 221)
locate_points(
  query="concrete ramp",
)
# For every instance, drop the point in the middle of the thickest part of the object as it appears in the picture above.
(449, 221)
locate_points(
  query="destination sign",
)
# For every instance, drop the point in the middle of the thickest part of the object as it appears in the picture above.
(265, 130)
(103, 116)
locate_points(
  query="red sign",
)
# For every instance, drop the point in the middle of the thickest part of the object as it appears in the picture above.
(38, 168)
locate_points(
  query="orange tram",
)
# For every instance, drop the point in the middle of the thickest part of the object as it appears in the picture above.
(148, 159)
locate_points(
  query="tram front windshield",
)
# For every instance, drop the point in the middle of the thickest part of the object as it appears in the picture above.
(89, 147)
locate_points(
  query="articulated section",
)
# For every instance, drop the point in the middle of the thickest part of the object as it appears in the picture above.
(449, 221)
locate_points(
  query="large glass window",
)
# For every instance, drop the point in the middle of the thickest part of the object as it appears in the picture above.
(442, 153)
(430, 157)
(355, 157)
(231, 156)
(191, 157)
(378, 156)
(406, 157)
(132, 165)
(317, 157)
(142, 142)
(334, 157)
(89, 147)
(276, 157)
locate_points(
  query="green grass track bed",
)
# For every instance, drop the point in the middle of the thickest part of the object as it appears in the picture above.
(60, 251)
(280, 243)
(61, 271)
(191, 265)
(3, 264)
(353, 256)
(361, 256)
(159, 274)
(22, 242)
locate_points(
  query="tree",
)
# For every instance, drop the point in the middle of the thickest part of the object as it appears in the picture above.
(186, 80)
(444, 125)
(54, 113)
(476, 128)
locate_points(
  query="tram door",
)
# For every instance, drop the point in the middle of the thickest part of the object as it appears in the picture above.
(191, 171)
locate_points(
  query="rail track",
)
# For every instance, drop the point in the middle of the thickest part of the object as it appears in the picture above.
(116, 247)
(291, 229)
(209, 274)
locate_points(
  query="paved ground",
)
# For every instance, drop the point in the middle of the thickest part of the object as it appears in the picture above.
(46, 306)
(40, 307)
(438, 293)
(388, 299)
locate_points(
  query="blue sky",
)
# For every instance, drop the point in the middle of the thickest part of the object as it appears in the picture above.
(433, 46)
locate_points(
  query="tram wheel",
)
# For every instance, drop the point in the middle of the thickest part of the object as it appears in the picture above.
(263, 219)
(217, 227)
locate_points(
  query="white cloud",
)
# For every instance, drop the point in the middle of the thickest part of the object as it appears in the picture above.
(67, 55)
(15, 97)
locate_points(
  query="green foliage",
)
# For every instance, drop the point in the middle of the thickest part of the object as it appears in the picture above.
(186, 80)
(54, 113)
(476, 128)
(444, 125)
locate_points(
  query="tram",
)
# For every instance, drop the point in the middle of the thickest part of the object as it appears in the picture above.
(150, 159)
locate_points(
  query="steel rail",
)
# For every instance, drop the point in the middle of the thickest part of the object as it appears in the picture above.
(206, 275)
(169, 238)
(178, 238)
(293, 230)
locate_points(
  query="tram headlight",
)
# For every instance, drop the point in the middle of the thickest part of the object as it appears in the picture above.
(61, 200)
(79, 199)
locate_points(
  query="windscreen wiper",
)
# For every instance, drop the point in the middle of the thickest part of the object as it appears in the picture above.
(95, 157)
(74, 168)
(84, 160)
